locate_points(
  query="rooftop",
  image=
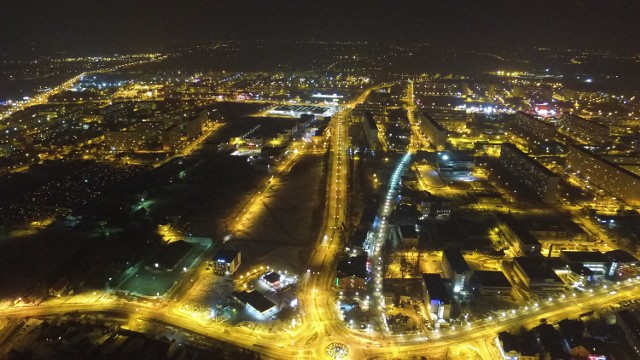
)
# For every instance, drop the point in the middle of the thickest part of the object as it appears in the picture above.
(369, 120)
(491, 279)
(226, 255)
(433, 122)
(255, 299)
(272, 277)
(620, 256)
(353, 266)
(436, 288)
(521, 232)
(537, 269)
(456, 260)
(543, 169)
(584, 256)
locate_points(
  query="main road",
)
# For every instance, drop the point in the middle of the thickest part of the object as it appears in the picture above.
(320, 326)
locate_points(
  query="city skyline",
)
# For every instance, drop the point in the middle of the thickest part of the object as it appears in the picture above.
(319, 180)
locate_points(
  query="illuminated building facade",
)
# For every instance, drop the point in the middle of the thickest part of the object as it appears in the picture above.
(436, 296)
(227, 261)
(531, 129)
(608, 176)
(436, 134)
(530, 173)
(456, 269)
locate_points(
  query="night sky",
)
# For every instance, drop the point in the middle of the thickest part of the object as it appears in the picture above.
(602, 24)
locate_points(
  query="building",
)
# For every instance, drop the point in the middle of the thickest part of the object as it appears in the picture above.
(408, 236)
(534, 131)
(455, 164)
(436, 296)
(583, 130)
(352, 272)
(533, 175)
(537, 275)
(512, 347)
(299, 110)
(620, 260)
(193, 128)
(595, 261)
(606, 175)
(171, 137)
(226, 261)
(580, 275)
(516, 235)
(629, 322)
(456, 269)
(272, 278)
(255, 302)
(125, 140)
(370, 130)
(436, 134)
(553, 231)
(491, 283)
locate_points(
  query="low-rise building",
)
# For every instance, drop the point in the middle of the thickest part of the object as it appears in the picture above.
(511, 347)
(518, 236)
(352, 272)
(272, 278)
(255, 302)
(595, 261)
(537, 275)
(491, 283)
(408, 236)
(620, 259)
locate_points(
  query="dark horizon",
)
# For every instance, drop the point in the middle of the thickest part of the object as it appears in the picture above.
(493, 25)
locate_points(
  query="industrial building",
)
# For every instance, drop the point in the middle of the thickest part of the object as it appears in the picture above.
(606, 175)
(530, 173)
(436, 296)
(436, 134)
(456, 269)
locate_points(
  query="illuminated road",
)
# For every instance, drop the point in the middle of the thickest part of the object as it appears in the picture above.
(43, 98)
(320, 323)
(296, 345)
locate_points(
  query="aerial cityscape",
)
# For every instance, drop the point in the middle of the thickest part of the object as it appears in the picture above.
(366, 194)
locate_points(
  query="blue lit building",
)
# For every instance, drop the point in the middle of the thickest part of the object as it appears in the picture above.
(226, 261)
